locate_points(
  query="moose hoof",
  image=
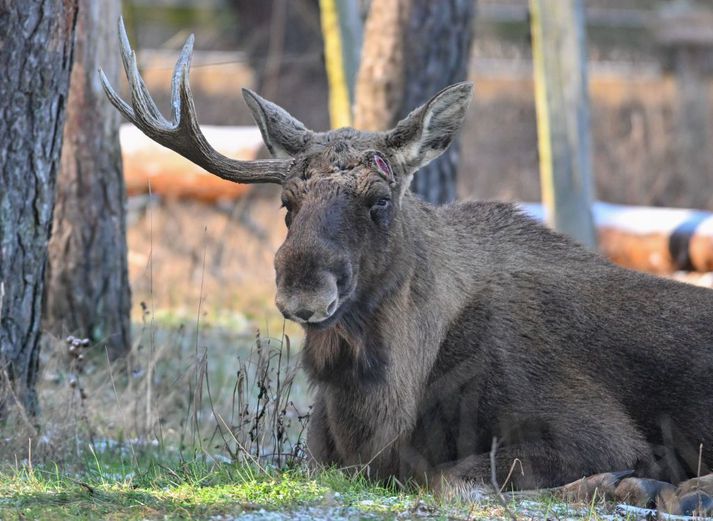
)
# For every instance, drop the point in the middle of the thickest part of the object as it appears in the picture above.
(693, 497)
(697, 504)
(643, 492)
(600, 485)
(703, 484)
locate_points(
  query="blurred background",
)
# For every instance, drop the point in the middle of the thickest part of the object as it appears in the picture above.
(636, 69)
(648, 63)
(620, 91)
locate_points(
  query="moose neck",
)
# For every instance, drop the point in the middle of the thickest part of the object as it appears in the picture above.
(372, 367)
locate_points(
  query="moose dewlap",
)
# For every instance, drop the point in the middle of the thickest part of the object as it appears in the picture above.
(430, 331)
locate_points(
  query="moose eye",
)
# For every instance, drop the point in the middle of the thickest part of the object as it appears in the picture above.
(381, 203)
(379, 209)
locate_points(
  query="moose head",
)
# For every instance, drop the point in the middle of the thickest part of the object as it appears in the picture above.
(343, 189)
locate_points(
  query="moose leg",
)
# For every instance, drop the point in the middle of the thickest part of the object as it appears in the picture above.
(320, 444)
(539, 464)
(527, 466)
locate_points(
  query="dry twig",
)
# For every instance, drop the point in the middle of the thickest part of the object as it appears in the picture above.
(494, 480)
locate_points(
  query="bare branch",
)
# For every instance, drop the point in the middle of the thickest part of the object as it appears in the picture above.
(494, 480)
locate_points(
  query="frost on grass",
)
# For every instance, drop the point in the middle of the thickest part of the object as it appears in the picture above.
(303, 514)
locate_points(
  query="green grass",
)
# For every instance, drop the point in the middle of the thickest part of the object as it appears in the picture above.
(119, 485)
(107, 487)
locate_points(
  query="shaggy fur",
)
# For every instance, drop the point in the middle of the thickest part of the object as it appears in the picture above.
(471, 321)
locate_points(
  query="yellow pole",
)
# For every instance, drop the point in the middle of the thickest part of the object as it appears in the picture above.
(544, 140)
(340, 113)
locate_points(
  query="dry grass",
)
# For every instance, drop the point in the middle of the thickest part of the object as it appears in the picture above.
(211, 393)
(181, 252)
(212, 369)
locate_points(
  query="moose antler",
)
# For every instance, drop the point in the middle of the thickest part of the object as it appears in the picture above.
(183, 134)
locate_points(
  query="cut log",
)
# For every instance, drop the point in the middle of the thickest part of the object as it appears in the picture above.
(173, 177)
(656, 240)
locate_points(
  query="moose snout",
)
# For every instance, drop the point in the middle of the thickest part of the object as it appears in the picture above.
(309, 305)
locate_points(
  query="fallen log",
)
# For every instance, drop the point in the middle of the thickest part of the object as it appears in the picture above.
(149, 166)
(656, 240)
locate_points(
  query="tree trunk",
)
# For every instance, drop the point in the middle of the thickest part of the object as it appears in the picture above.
(35, 59)
(412, 50)
(87, 291)
(284, 45)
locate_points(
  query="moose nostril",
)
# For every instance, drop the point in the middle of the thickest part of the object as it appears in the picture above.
(332, 307)
(304, 314)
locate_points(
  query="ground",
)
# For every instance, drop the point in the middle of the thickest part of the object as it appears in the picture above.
(210, 403)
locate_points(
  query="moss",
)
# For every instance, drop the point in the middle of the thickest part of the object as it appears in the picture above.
(178, 490)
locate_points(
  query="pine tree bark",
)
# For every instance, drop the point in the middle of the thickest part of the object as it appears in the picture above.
(87, 288)
(36, 43)
(412, 50)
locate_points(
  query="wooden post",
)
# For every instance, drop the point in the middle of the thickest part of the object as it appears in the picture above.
(560, 68)
(342, 32)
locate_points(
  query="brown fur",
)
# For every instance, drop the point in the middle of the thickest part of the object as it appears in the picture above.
(432, 331)
(467, 322)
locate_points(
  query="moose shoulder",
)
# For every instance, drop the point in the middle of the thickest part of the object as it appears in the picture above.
(431, 331)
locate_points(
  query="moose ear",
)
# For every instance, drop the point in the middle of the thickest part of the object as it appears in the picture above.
(283, 135)
(426, 132)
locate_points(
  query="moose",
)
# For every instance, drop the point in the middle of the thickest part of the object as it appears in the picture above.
(430, 331)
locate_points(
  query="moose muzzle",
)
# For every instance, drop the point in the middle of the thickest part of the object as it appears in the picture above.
(314, 267)
(309, 304)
